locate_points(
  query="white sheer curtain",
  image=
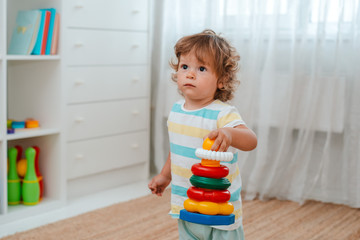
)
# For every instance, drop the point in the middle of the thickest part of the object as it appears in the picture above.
(299, 91)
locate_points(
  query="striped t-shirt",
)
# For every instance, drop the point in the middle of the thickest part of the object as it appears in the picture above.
(186, 131)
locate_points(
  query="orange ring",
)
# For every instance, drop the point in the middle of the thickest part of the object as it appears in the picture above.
(210, 163)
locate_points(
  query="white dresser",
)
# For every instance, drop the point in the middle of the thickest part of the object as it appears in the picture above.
(106, 70)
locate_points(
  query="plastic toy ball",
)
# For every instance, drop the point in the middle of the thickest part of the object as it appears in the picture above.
(208, 143)
(21, 167)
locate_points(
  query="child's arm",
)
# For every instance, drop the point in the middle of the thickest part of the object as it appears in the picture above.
(158, 184)
(239, 137)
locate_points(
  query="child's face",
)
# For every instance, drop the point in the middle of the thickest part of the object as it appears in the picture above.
(197, 81)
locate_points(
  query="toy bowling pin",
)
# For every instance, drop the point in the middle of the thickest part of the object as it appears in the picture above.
(31, 188)
(19, 154)
(37, 170)
(14, 185)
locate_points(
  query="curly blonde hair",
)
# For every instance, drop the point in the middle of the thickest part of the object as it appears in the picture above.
(223, 58)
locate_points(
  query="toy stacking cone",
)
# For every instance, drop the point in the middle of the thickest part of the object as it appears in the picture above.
(37, 170)
(14, 185)
(31, 188)
(208, 198)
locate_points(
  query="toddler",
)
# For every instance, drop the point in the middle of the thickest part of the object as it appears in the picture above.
(205, 73)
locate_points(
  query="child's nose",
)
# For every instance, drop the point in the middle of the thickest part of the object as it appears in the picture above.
(190, 74)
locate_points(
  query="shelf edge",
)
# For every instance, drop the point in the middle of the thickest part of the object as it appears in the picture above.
(31, 57)
(30, 134)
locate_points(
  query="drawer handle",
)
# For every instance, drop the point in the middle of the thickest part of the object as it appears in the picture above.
(79, 119)
(79, 44)
(135, 112)
(135, 11)
(79, 82)
(79, 156)
(78, 6)
(135, 79)
(135, 146)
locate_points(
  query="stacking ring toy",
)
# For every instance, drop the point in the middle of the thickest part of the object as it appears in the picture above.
(210, 172)
(210, 163)
(213, 155)
(210, 183)
(207, 219)
(200, 194)
(209, 208)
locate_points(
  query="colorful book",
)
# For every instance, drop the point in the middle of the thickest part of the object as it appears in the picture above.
(40, 37)
(25, 32)
(51, 30)
(46, 31)
(55, 37)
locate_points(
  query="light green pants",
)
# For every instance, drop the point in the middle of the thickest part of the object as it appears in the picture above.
(190, 231)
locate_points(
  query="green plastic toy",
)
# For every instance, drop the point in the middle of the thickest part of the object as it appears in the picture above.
(31, 188)
(210, 183)
(14, 184)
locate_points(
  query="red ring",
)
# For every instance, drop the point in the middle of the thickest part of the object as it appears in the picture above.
(209, 172)
(200, 194)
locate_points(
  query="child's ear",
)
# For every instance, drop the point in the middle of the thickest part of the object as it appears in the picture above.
(220, 85)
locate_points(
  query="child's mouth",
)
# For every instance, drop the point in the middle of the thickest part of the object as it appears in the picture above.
(189, 85)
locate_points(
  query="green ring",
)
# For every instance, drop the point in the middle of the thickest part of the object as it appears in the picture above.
(210, 183)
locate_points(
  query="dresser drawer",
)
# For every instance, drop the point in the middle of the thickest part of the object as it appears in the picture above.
(108, 14)
(97, 47)
(86, 84)
(103, 154)
(107, 118)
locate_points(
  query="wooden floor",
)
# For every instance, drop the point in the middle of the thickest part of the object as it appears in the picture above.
(147, 218)
(288, 220)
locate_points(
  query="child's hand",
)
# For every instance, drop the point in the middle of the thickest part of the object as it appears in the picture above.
(158, 184)
(222, 138)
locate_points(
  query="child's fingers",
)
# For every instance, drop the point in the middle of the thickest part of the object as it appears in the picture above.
(212, 135)
(153, 190)
(217, 144)
(223, 146)
(159, 191)
(152, 186)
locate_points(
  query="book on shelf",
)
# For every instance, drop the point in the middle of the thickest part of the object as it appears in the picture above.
(43, 32)
(49, 40)
(55, 37)
(36, 32)
(25, 32)
(46, 31)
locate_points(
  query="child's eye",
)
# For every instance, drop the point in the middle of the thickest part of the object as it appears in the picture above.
(202, 69)
(184, 66)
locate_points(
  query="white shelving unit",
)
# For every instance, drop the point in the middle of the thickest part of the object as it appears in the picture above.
(31, 87)
(92, 101)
